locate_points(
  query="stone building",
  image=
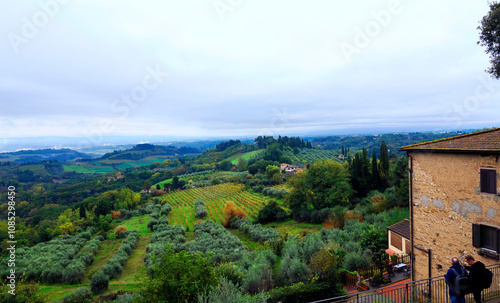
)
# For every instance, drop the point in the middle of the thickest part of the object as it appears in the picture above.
(454, 201)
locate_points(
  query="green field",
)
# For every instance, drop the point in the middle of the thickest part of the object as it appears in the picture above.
(245, 156)
(84, 170)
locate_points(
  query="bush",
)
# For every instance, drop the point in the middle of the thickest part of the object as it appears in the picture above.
(81, 295)
(228, 292)
(119, 230)
(271, 212)
(126, 298)
(178, 277)
(301, 292)
(74, 273)
(99, 282)
(256, 231)
(200, 210)
(230, 272)
(53, 274)
(231, 211)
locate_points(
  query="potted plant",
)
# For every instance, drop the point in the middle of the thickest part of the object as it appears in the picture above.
(362, 286)
(488, 254)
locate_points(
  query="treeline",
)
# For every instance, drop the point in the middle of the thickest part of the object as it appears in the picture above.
(265, 141)
(393, 141)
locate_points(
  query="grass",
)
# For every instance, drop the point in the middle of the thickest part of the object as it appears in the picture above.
(108, 249)
(298, 228)
(135, 269)
(138, 222)
(245, 239)
(84, 170)
(245, 156)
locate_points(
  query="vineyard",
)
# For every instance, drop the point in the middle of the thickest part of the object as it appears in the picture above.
(311, 155)
(215, 197)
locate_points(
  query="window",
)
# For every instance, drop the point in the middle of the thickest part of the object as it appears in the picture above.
(484, 236)
(488, 181)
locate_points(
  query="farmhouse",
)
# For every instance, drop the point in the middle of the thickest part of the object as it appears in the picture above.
(288, 168)
(454, 201)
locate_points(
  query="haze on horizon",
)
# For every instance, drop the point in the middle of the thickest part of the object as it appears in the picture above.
(102, 69)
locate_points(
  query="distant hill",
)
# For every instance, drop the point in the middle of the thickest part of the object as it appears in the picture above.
(393, 141)
(61, 155)
(141, 151)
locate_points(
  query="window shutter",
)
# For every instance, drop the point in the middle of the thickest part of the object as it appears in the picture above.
(484, 180)
(492, 181)
(498, 240)
(476, 235)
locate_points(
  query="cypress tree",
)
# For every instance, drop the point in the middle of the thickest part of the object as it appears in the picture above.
(384, 164)
(83, 214)
(375, 180)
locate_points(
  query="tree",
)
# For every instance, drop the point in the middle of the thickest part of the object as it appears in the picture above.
(147, 185)
(384, 164)
(375, 180)
(175, 182)
(241, 164)
(179, 277)
(271, 170)
(83, 214)
(490, 37)
(324, 184)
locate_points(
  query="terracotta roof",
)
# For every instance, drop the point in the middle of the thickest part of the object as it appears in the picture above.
(481, 141)
(401, 228)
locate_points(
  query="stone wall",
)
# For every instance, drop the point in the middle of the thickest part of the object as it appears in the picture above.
(447, 201)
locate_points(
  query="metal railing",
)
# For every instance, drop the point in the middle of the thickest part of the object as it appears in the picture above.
(432, 290)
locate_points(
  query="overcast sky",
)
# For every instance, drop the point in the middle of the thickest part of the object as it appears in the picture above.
(242, 67)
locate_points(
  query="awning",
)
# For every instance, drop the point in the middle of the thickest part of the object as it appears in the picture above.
(390, 252)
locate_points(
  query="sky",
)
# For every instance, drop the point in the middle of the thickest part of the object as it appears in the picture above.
(212, 68)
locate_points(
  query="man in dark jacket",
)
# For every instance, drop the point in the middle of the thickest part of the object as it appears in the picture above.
(475, 268)
(450, 280)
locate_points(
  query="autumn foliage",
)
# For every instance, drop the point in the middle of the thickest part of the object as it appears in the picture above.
(231, 211)
(329, 223)
(119, 229)
(116, 214)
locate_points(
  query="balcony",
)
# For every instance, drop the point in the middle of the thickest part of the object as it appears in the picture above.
(433, 290)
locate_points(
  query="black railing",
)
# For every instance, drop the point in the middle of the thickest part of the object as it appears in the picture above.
(433, 290)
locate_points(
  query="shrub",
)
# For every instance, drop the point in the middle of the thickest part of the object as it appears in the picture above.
(178, 277)
(126, 298)
(200, 210)
(53, 274)
(230, 272)
(302, 292)
(99, 282)
(271, 212)
(231, 211)
(74, 273)
(81, 295)
(120, 229)
(228, 292)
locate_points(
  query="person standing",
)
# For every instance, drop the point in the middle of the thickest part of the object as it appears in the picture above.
(455, 270)
(475, 268)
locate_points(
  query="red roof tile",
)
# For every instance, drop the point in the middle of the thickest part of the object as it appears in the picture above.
(402, 228)
(481, 141)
